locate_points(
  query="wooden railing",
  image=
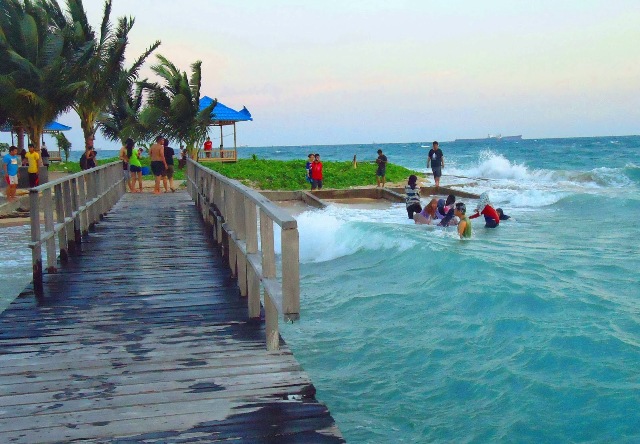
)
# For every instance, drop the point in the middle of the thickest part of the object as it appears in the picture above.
(71, 206)
(232, 213)
(218, 155)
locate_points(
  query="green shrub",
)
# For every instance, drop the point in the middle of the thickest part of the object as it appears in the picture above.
(290, 175)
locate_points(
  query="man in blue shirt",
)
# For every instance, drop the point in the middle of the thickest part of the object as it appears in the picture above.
(11, 164)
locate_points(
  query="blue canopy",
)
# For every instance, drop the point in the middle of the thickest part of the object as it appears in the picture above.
(223, 115)
(55, 127)
(51, 127)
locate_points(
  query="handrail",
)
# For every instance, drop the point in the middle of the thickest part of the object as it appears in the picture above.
(231, 212)
(218, 155)
(77, 203)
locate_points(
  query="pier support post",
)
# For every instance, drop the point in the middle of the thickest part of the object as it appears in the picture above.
(36, 252)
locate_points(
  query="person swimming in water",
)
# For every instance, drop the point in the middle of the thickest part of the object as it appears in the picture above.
(446, 211)
(491, 216)
(428, 213)
(501, 214)
(464, 227)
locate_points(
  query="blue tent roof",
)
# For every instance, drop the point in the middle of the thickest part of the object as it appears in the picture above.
(223, 114)
(55, 126)
(49, 127)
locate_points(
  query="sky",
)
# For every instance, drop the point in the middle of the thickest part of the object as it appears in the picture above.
(339, 72)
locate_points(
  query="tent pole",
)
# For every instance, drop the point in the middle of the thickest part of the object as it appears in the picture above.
(235, 145)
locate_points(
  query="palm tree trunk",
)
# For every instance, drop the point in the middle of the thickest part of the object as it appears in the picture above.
(20, 135)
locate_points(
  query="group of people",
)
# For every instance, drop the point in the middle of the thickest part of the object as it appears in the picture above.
(314, 171)
(161, 155)
(447, 212)
(11, 165)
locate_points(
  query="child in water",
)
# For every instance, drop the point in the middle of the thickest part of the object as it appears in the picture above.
(464, 226)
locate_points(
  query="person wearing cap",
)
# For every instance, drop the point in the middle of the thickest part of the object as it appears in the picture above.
(491, 216)
(464, 226)
(381, 172)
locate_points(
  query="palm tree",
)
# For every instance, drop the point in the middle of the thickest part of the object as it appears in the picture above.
(106, 70)
(38, 69)
(174, 106)
(122, 117)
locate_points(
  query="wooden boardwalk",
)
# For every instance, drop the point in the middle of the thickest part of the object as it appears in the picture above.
(142, 337)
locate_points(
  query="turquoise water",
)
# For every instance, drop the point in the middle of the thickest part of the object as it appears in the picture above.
(526, 333)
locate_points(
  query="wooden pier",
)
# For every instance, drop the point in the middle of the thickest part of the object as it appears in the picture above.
(142, 336)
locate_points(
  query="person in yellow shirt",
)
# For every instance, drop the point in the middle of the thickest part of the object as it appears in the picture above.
(34, 163)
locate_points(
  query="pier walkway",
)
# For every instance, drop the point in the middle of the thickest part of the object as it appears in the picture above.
(142, 337)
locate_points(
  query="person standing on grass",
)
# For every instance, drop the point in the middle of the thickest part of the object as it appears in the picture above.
(34, 163)
(158, 162)
(44, 153)
(316, 173)
(91, 154)
(382, 168)
(135, 167)
(307, 167)
(436, 160)
(11, 165)
(168, 157)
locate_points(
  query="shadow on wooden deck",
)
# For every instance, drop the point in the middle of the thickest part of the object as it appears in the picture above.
(142, 337)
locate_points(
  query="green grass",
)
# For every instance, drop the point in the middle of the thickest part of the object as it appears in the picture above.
(74, 167)
(290, 175)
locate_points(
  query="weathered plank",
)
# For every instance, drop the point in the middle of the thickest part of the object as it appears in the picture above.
(142, 336)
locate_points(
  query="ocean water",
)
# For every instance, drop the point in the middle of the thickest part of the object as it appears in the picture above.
(527, 333)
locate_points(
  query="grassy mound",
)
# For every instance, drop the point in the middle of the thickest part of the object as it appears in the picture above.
(278, 174)
(290, 175)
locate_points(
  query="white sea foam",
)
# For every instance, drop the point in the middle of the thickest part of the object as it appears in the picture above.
(516, 185)
(495, 166)
(340, 231)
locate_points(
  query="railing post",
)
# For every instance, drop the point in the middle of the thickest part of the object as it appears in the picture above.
(253, 280)
(268, 251)
(84, 217)
(91, 195)
(290, 274)
(271, 325)
(229, 218)
(241, 259)
(36, 253)
(62, 234)
(68, 213)
(47, 209)
(75, 206)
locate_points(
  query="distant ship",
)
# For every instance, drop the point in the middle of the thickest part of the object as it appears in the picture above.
(492, 137)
